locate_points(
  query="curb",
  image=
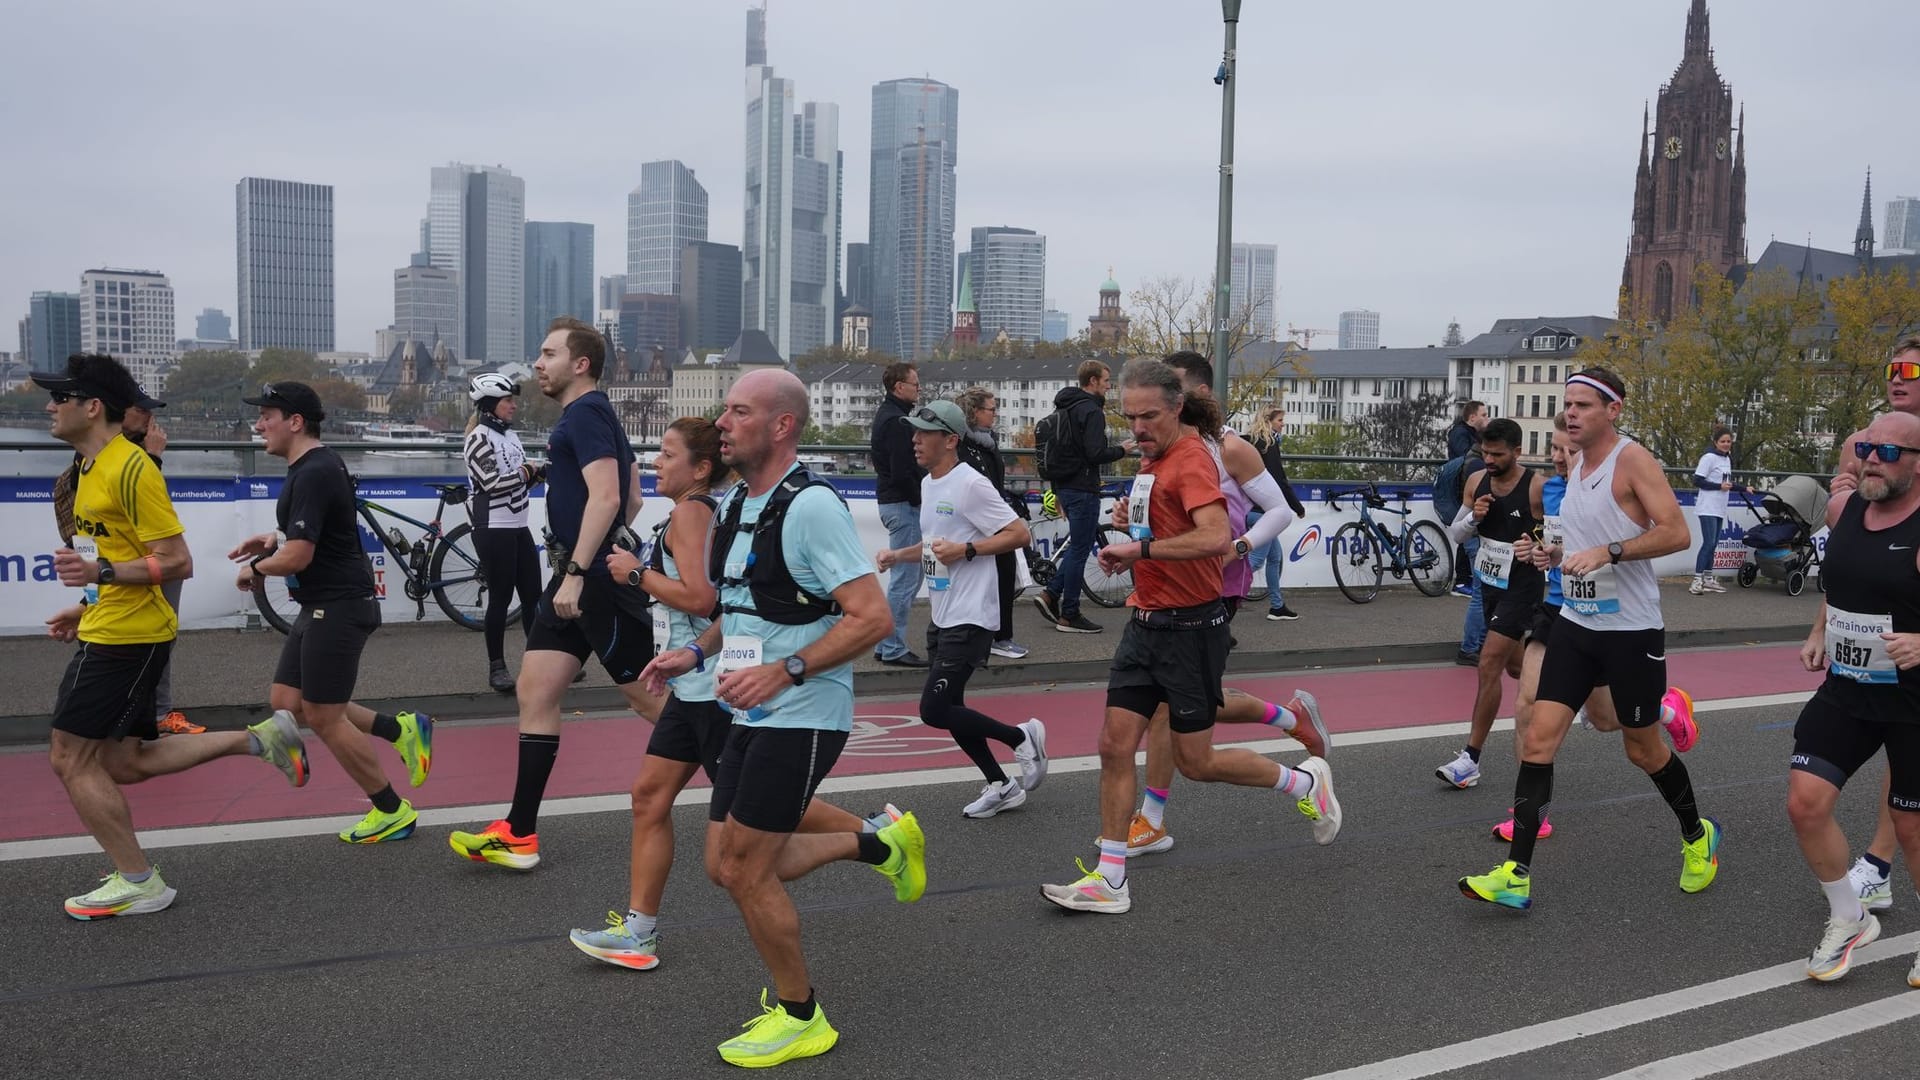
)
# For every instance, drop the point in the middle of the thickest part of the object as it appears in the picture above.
(32, 730)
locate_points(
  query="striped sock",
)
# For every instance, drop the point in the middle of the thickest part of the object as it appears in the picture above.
(1113, 862)
(1294, 782)
(1280, 717)
(1154, 806)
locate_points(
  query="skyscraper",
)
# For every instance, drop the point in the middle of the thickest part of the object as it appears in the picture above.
(476, 226)
(1255, 291)
(128, 314)
(916, 125)
(283, 241)
(559, 278)
(1055, 325)
(665, 213)
(1903, 227)
(612, 288)
(860, 276)
(426, 305)
(1008, 268)
(790, 260)
(709, 295)
(1360, 329)
(212, 324)
(53, 334)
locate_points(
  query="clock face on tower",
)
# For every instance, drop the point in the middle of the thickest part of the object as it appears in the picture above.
(1672, 148)
(1720, 148)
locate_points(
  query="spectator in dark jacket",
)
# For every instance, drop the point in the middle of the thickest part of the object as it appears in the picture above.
(981, 449)
(897, 489)
(1464, 435)
(1086, 414)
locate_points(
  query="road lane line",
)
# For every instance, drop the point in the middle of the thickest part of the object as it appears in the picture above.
(1463, 1055)
(1768, 1045)
(284, 828)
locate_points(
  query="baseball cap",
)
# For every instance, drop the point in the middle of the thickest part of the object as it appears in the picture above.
(939, 416)
(292, 398)
(148, 402)
(60, 382)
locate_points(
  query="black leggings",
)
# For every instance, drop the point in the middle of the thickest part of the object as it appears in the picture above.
(955, 652)
(510, 566)
(1004, 562)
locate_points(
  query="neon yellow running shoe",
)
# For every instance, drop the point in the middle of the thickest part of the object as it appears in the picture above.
(774, 1037)
(1702, 858)
(907, 866)
(1502, 885)
(416, 745)
(376, 826)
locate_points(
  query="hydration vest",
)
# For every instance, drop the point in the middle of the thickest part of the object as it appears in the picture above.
(777, 598)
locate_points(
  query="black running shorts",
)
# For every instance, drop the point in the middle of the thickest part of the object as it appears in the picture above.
(1540, 626)
(107, 691)
(1837, 734)
(613, 625)
(321, 656)
(1508, 612)
(694, 732)
(768, 775)
(1181, 668)
(1632, 664)
(951, 649)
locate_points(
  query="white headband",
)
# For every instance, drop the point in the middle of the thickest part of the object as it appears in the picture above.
(1588, 380)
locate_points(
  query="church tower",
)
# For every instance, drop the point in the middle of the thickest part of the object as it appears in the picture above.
(1690, 194)
(1108, 330)
(966, 318)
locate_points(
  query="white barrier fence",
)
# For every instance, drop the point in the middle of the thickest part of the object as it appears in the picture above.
(218, 513)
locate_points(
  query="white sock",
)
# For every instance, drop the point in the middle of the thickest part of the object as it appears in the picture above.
(639, 925)
(1295, 782)
(1842, 901)
(1113, 862)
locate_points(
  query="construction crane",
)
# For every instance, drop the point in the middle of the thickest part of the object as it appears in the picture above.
(1305, 336)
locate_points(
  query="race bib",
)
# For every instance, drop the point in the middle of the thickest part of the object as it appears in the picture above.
(1139, 521)
(1552, 532)
(938, 574)
(88, 548)
(737, 652)
(1594, 593)
(1853, 643)
(661, 630)
(1494, 565)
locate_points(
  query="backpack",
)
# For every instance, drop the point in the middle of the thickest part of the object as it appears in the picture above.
(1056, 452)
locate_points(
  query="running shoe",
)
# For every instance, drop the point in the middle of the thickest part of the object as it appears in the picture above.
(995, 797)
(281, 747)
(1308, 730)
(1048, 604)
(499, 679)
(118, 896)
(176, 723)
(1834, 955)
(497, 844)
(884, 817)
(774, 1037)
(1146, 838)
(1077, 623)
(616, 945)
(1711, 583)
(1465, 591)
(1031, 755)
(1701, 858)
(1680, 726)
(1504, 830)
(1283, 613)
(1320, 805)
(416, 745)
(907, 866)
(1090, 893)
(1876, 892)
(1913, 974)
(376, 826)
(1503, 885)
(1698, 585)
(1010, 649)
(1462, 772)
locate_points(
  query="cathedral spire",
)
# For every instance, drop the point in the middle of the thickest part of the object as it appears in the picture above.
(1863, 236)
(1699, 42)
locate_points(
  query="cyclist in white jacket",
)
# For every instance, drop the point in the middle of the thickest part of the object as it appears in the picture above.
(501, 480)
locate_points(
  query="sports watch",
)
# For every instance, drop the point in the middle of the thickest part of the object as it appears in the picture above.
(796, 669)
(106, 572)
(574, 569)
(1615, 551)
(1241, 547)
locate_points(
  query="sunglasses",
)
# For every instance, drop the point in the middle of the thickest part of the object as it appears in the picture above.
(932, 417)
(61, 397)
(1887, 452)
(1904, 370)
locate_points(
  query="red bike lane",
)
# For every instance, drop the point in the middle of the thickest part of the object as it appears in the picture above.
(473, 763)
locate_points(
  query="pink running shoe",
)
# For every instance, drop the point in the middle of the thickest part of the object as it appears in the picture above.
(1504, 830)
(1680, 727)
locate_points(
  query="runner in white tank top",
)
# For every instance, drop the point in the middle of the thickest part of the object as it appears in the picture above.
(1622, 596)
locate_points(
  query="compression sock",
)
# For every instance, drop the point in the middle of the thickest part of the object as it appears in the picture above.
(1154, 806)
(1677, 788)
(1532, 791)
(530, 782)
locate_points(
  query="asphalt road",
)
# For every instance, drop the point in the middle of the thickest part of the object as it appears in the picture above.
(1250, 951)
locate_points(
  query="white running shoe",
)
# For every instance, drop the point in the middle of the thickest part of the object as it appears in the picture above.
(1834, 955)
(1876, 892)
(995, 797)
(1090, 893)
(1462, 772)
(1319, 805)
(1031, 755)
(1711, 583)
(1698, 585)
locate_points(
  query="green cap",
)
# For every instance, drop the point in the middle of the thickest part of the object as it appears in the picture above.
(942, 416)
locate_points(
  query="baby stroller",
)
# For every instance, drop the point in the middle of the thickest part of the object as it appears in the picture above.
(1782, 542)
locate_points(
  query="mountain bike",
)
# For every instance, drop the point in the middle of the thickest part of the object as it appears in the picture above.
(1364, 551)
(1104, 589)
(436, 562)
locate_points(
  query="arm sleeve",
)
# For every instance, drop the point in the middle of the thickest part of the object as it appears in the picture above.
(1275, 514)
(1462, 528)
(151, 510)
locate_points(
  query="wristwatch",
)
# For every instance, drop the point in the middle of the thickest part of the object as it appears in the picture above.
(796, 669)
(1614, 551)
(106, 572)
(1241, 547)
(970, 552)
(574, 569)
(633, 576)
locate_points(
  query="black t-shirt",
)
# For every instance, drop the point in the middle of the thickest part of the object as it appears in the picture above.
(316, 505)
(587, 432)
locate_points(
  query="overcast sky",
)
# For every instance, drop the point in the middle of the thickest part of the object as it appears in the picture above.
(1424, 160)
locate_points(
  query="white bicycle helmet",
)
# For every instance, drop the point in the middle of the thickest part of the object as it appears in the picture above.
(491, 384)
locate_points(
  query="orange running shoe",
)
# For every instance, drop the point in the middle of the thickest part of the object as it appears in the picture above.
(497, 844)
(176, 723)
(1144, 839)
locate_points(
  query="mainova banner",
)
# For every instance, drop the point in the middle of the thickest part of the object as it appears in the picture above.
(218, 513)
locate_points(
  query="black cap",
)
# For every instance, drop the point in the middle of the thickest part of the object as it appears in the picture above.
(148, 402)
(60, 382)
(292, 398)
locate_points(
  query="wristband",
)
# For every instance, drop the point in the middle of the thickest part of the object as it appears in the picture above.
(699, 656)
(153, 567)
(254, 564)
(1144, 545)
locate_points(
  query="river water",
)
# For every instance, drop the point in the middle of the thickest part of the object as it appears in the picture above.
(184, 462)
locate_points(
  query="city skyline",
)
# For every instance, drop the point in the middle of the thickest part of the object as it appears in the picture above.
(1428, 125)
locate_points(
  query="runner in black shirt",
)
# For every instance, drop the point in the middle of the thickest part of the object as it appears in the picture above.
(317, 549)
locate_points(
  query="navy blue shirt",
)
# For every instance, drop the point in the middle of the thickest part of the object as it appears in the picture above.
(588, 431)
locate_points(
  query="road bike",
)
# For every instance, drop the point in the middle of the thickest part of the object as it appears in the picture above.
(438, 563)
(1049, 529)
(1365, 551)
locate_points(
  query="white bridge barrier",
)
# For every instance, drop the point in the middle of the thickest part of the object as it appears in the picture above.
(218, 513)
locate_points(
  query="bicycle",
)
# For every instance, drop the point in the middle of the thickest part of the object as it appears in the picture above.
(436, 563)
(1104, 589)
(1364, 551)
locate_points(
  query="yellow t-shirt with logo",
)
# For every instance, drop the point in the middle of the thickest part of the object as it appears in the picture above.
(121, 501)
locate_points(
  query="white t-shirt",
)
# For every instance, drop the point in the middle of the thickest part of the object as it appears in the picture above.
(1715, 468)
(963, 507)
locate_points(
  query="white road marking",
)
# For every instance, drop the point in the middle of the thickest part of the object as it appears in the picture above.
(1463, 1055)
(283, 828)
(1768, 1045)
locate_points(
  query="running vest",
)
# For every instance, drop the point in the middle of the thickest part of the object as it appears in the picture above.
(777, 598)
(1625, 596)
(673, 628)
(1873, 588)
(1236, 576)
(1508, 519)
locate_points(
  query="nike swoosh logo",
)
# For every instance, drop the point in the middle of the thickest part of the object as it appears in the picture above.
(1595, 484)
(1661, 657)
(1899, 547)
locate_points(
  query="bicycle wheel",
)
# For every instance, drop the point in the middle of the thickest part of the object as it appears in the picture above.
(1256, 592)
(1357, 565)
(1430, 560)
(276, 607)
(458, 585)
(1104, 589)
